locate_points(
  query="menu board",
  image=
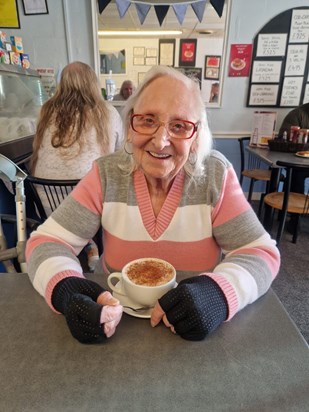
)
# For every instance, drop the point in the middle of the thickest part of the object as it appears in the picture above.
(279, 74)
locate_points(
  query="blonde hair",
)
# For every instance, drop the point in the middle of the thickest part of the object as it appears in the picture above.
(204, 139)
(76, 107)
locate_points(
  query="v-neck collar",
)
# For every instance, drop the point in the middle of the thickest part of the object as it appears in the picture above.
(155, 226)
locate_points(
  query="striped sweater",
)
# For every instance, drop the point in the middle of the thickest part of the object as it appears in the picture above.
(206, 226)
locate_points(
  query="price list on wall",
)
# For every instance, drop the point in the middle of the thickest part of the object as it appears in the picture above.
(280, 68)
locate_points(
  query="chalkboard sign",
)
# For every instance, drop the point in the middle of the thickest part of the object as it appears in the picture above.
(279, 74)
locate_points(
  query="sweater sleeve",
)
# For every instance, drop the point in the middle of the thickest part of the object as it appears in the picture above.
(251, 259)
(52, 250)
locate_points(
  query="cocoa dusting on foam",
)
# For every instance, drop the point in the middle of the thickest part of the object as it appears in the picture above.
(150, 273)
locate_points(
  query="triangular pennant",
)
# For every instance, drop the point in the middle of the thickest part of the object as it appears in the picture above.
(122, 6)
(180, 11)
(161, 12)
(102, 4)
(142, 11)
(218, 6)
(199, 8)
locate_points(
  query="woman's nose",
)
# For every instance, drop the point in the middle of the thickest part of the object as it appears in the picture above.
(161, 137)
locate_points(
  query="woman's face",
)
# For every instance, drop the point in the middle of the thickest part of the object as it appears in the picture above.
(158, 155)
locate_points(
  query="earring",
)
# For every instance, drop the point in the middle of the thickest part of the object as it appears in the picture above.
(192, 158)
(125, 148)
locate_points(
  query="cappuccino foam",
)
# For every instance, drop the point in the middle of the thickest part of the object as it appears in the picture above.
(150, 273)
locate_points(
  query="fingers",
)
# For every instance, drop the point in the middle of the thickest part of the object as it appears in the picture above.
(110, 315)
(106, 298)
(156, 315)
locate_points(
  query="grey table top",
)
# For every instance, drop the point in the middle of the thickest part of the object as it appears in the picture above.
(257, 362)
(271, 157)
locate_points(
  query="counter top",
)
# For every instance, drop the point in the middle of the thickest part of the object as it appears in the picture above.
(257, 362)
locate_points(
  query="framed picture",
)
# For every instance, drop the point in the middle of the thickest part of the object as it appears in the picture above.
(194, 73)
(35, 7)
(167, 52)
(138, 61)
(211, 73)
(9, 17)
(114, 61)
(139, 51)
(151, 61)
(187, 52)
(151, 52)
(213, 61)
(212, 67)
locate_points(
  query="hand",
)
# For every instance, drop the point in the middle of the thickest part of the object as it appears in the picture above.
(92, 314)
(195, 308)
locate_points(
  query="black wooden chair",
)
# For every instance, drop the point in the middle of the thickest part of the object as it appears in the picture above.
(250, 167)
(288, 202)
(55, 191)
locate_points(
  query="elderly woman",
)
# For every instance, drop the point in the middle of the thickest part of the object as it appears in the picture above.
(166, 195)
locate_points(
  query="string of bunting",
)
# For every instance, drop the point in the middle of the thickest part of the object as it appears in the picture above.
(162, 7)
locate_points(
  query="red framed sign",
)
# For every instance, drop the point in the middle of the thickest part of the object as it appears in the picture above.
(187, 52)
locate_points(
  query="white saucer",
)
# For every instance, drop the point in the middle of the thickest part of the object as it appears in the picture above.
(125, 301)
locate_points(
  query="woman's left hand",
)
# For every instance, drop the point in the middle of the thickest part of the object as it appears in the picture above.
(195, 308)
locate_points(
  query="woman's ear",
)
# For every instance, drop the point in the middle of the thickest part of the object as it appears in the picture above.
(194, 146)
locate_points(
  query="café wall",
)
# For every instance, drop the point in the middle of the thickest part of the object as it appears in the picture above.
(66, 34)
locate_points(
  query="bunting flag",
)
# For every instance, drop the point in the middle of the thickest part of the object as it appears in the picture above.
(122, 6)
(180, 11)
(143, 7)
(218, 6)
(199, 9)
(142, 11)
(161, 12)
(102, 4)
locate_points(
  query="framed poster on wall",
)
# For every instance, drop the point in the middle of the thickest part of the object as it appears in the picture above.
(167, 52)
(187, 52)
(9, 17)
(212, 67)
(35, 7)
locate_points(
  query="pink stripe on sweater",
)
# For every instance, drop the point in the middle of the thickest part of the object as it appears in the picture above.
(228, 291)
(88, 192)
(156, 225)
(187, 256)
(39, 239)
(231, 194)
(53, 282)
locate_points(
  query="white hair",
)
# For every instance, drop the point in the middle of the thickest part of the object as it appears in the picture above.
(203, 138)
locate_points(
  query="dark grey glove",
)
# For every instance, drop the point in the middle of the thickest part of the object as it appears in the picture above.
(196, 307)
(76, 299)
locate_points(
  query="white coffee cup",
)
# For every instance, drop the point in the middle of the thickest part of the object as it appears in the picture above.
(156, 277)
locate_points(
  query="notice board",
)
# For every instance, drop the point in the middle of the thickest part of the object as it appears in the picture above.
(279, 75)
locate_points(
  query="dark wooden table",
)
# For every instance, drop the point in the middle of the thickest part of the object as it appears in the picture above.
(257, 362)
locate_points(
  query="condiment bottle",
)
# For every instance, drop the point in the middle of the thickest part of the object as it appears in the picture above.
(294, 134)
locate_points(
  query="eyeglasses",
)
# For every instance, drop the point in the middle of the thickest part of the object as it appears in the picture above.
(148, 125)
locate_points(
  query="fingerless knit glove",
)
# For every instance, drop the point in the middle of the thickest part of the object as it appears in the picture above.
(196, 307)
(76, 299)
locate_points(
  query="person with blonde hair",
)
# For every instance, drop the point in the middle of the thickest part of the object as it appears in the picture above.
(166, 195)
(75, 127)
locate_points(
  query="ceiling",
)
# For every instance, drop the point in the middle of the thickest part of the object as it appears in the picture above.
(191, 27)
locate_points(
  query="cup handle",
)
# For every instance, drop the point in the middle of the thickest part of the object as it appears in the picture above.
(115, 275)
